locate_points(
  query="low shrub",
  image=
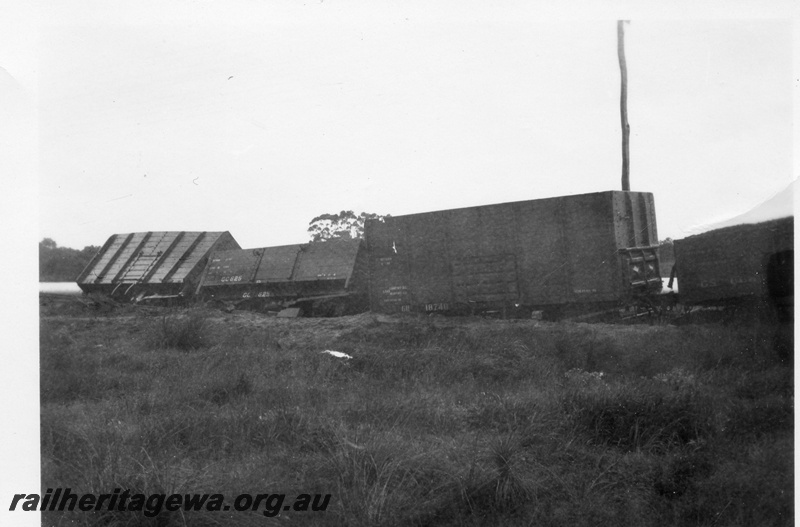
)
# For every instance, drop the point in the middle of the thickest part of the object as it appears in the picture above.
(583, 350)
(182, 332)
(680, 474)
(641, 415)
(704, 488)
(754, 419)
(777, 381)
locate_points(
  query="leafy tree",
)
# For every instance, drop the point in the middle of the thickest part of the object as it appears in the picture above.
(343, 226)
(62, 264)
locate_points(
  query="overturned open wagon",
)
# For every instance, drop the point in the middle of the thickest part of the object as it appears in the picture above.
(313, 279)
(152, 265)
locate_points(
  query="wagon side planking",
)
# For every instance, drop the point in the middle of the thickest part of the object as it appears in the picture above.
(595, 250)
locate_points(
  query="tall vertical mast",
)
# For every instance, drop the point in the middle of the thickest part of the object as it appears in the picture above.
(623, 106)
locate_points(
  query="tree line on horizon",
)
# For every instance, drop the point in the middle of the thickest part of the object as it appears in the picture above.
(62, 264)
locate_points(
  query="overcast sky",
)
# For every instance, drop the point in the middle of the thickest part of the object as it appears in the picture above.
(255, 118)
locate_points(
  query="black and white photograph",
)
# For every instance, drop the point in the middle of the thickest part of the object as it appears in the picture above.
(326, 262)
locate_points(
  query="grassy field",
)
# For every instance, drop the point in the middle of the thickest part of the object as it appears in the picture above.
(434, 421)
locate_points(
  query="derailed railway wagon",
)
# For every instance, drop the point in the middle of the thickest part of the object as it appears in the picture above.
(580, 253)
(748, 266)
(152, 265)
(317, 279)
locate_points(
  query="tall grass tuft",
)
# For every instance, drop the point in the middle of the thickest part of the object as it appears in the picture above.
(641, 415)
(380, 478)
(227, 390)
(510, 492)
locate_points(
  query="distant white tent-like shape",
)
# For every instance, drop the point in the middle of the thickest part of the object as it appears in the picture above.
(781, 205)
(748, 256)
